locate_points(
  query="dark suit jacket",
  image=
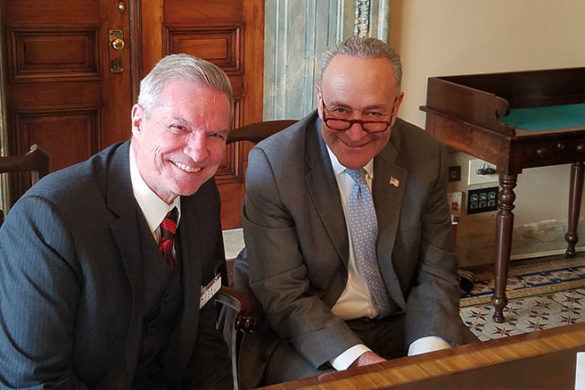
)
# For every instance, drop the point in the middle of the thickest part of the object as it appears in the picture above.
(297, 241)
(72, 284)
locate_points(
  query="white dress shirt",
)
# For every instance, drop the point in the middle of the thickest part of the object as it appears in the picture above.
(154, 208)
(355, 300)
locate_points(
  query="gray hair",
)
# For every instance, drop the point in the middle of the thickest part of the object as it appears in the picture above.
(355, 46)
(186, 67)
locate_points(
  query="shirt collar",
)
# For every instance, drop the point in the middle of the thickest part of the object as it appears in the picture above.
(338, 169)
(154, 208)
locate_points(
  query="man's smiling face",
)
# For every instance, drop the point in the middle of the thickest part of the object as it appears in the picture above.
(180, 143)
(357, 88)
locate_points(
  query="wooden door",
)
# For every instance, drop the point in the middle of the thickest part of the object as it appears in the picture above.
(60, 91)
(230, 33)
(64, 94)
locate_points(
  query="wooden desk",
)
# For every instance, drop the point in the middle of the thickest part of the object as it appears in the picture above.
(467, 113)
(545, 359)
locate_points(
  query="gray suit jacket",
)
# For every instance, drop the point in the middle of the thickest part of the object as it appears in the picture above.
(297, 242)
(72, 284)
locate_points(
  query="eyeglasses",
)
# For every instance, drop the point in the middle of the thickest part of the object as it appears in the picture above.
(368, 126)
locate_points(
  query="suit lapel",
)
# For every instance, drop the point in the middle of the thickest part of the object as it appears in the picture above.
(120, 200)
(321, 184)
(388, 190)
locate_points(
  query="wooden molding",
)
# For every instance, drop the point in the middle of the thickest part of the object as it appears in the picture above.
(53, 54)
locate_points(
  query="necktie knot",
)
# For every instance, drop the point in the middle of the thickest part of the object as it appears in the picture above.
(168, 226)
(358, 176)
(168, 229)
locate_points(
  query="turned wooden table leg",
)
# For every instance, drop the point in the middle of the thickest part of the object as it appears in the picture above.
(574, 207)
(504, 230)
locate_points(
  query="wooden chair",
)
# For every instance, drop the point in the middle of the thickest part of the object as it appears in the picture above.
(35, 161)
(246, 310)
(256, 132)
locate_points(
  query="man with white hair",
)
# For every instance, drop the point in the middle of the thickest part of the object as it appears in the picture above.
(104, 265)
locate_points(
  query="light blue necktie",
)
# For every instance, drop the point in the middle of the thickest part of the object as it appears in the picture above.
(363, 226)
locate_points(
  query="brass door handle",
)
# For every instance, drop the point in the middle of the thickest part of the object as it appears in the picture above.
(118, 44)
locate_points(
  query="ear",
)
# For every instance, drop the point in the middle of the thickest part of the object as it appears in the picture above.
(319, 100)
(137, 116)
(396, 107)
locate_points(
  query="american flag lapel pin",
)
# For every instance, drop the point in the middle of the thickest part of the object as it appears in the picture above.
(394, 181)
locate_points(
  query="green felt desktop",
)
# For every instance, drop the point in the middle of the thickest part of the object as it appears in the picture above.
(547, 117)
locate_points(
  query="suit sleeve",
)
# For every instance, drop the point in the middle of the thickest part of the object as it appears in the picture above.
(278, 273)
(39, 292)
(210, 366)
(433, 301)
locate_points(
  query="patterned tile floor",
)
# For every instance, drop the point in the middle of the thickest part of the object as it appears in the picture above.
(543, 295)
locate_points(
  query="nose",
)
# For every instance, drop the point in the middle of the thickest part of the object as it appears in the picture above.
(356, 131)
(196, 146)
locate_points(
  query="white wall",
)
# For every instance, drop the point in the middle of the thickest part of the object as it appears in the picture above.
(447, 37)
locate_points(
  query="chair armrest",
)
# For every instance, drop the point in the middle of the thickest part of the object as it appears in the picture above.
(240, 315)
(248, 312)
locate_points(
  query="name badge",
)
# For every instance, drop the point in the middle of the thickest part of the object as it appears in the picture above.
(207, 292)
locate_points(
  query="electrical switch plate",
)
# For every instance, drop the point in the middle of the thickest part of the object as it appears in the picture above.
(481, 172)
(482, 200)
(455, 173)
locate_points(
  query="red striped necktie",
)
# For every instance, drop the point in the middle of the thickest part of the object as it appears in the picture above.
(168, 228)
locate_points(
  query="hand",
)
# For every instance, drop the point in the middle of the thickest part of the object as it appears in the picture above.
(367, 358)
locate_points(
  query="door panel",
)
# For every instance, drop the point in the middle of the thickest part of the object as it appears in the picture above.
(74, 128)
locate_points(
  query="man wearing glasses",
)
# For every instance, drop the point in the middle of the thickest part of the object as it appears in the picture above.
(347, 228)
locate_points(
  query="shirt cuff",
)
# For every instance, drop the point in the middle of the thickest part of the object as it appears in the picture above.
(343, 361)
(427, 344)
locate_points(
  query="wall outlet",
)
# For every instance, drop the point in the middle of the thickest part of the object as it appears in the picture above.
(455, 202)
(481, 172)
